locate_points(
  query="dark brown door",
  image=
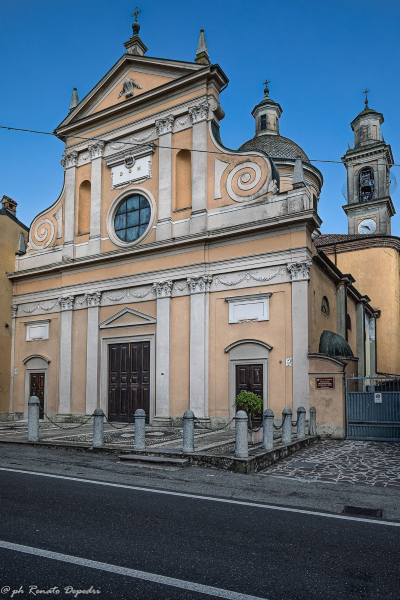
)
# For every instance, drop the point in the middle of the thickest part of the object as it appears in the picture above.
(250, 378)
(37, 389)
(129, 380)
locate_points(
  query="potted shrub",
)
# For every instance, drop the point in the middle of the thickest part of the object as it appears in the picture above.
(252, 404)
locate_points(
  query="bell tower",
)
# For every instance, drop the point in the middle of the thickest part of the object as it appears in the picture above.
(369, 206)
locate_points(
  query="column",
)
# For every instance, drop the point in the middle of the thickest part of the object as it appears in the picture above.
(199, 304)
(14, 311)
(69, 162)
(198, 218)
(163, 291)
(360, 334)
(300, 274)
(341, 304)
(164, 223)
(92, 352)
(65, 367)
(96, 151)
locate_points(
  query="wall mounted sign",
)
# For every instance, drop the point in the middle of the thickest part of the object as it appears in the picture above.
(378, 398)
(325, 383)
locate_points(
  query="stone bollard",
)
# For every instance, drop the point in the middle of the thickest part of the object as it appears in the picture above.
(287, 426)
(242, 444)
(312, 425)
(140, 430)
(33, 419)
(268, 429)
(98, 428)
(301, 423)
(188, 431)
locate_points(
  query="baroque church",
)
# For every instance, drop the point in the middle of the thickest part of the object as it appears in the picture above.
(173, 272)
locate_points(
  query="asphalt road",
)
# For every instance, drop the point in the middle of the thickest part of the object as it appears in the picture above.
(138, 538)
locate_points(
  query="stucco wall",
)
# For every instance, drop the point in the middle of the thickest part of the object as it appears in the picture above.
(320, 285)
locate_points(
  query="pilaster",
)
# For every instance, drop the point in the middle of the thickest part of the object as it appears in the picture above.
(198, 218)
(360, 334)
(300, 275)
(65, 369)
(96, 151)
(92, 351)
(199, 288)
(69, 162)
(163, 291)
(164, 223)
(14, 312)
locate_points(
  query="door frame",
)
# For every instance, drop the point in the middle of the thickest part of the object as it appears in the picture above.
(104, 367)
(247, 352)
(39, 364)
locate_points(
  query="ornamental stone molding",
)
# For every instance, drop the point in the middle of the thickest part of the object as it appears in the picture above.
(92, 299)
(299, 270)
(67, 302)
(69, 159)
(163, 289)
(96, 150)
(165, 125)
(199, 112)
(14, 310)
(199, 284)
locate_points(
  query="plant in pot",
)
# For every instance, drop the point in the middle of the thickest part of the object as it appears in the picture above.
(252, 404)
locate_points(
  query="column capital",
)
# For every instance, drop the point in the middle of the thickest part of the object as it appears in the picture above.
(165, 125)
(69, 159)
(14, 310)
(66, 302)
(199, 112)
(199, 284)
(299, 270)
(96, 150)
(93, 299)
(162, 289)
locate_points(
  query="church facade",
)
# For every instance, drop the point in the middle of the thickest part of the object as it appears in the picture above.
(172, 272)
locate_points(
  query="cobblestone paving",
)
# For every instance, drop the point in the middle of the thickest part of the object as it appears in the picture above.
(361, 463)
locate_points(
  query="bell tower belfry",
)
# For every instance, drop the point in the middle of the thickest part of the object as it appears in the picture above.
(369, 206)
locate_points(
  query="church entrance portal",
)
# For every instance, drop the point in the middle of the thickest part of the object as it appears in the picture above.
(250, 378)
(128, 380)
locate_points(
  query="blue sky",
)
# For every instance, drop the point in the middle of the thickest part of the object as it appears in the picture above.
(318, 55)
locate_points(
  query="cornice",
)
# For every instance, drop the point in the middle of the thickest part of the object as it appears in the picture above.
(373, 241)
(362, 206)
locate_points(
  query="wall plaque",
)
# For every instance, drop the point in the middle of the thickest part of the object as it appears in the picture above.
(325, 383)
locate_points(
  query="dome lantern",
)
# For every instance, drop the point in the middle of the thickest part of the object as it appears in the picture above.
(267, 114)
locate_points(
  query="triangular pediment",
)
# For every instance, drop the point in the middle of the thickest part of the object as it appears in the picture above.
(149, 73)
(127, 317)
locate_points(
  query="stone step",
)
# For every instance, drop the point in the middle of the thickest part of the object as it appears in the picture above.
(155, 460)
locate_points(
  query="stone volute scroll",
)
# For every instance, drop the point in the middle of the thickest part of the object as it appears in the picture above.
(96, 150)
(199, 284)
(163, 289)
(199, 112)
(165, 125)
(93, 299)
(299, 270)
(69, 159)
(67, 302)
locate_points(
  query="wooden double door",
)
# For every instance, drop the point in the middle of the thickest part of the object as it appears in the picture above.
(37, 389)
(250, 378)
(128, 380)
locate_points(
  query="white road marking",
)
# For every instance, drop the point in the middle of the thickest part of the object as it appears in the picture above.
(152, 577)
(208, 498)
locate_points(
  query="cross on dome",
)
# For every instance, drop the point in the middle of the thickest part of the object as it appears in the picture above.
(366, 97)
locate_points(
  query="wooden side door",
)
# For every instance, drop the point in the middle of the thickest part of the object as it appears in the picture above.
(140, 377)
(37, 389)
(250, 378)
(118, 383)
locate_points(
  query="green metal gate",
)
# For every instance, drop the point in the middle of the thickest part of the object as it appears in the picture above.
(373, 408)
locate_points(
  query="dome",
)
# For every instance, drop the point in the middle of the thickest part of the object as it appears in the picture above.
(276, 146)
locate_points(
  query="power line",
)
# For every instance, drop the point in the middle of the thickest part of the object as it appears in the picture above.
(138, 144)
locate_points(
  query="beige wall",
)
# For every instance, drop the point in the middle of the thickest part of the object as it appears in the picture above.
(320, 285)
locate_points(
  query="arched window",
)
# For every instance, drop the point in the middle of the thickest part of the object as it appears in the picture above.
(263, 123)
(183, 180)
(366, 184)
(348, 322)
(84, 207)
(325, 306)
(132, 218)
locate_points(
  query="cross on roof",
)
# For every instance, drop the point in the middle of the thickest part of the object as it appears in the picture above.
(266, 82)
(136, 12)
(366, 97)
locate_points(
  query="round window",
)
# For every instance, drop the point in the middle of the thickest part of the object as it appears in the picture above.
(132, 218)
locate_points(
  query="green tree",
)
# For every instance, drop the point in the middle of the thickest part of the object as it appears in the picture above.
(249, 402)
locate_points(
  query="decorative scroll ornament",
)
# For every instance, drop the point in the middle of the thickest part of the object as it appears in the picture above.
(39, 306)
(128, 87)
(165, 125)
(199, 112)
(42, 232)
(127, 293)
(162, 289)
(96, 150)
(199, 284)
(299, 270)
(248, 276)
(69, 159)
(14, 310)
(246, 176)
(67, 302)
